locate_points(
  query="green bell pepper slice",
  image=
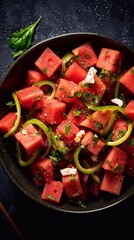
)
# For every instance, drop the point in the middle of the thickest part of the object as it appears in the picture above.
(45, 129)
(124, 138)
(89, 170)
(16, 124)
(37, 152)
(49, 83)
(30, 160)
(66, 58)
(106, 107)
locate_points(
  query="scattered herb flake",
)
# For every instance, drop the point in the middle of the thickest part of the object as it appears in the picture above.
(67, 128)
(132, 71)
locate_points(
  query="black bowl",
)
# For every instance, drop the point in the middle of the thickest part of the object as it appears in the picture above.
(14, 80)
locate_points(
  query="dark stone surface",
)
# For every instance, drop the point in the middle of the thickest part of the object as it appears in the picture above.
(111, 18)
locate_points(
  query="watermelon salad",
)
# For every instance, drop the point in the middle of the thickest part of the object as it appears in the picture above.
(72, 124)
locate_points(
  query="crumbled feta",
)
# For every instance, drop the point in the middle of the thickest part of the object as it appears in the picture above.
(90, 76)
(117, 101)
(79, 135)
(24, 132)
(68, 171)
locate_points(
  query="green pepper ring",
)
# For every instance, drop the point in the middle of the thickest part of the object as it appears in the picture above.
(30, 160)
(16, 124)
(36, 153)
(46, 82)
(124, 138)
(90, 170)
(45, 130)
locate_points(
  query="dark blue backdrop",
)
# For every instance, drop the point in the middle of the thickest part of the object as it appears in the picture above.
(112, 18)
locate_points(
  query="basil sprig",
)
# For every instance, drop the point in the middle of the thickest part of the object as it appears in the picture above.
(21, 40)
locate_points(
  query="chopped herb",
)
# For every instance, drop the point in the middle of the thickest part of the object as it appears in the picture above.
(37, 98)
(104, 73)
(95, 98)
(57, 136)
(88, 56)
(87, 112)
(131, 142)
(77, 57)
(72, 178)
(50, 197)
(68, 63)
(78, 94)
(116, 168)
(44, 70)
(107, 161)
(56, 156)
(99, 125)
(11, 104)
(132, 71)
(67, 128)
(86, 96)
(107, 51)
(89, 85)
(77, 202)
(95, 139)
(121, 133)
(77, 113)
(61, 89)
(35, 134)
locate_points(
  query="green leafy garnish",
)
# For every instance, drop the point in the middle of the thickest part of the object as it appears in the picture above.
(10, 104)
(21, 40)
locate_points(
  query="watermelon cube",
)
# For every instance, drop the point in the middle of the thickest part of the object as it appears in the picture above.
(119, 128)
(85, 55)
(43, 170)
(97, 121)
(52, 191)
(33, 76)
(110, 60)
(112, 182)
(115, 160)
(75, 73)
(48, 62)
(67, 130)
(128, 145)
(94, 92)
(53, 111)
(72, 185)
(29, 138)
(127, 79)
(7, 122)
(66, 91)
(77, 112)
(129, 167)
(92, 143)
(129, 110)
(31, 97)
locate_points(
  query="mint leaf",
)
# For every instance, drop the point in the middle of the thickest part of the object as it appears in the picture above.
(21, 40)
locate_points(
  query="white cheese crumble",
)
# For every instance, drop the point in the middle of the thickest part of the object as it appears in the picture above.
(23, 131)
(90, 76)
(117, 101)
(79, 135)
(68, 171)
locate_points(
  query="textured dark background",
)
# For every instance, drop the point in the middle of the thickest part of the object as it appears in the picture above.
(111, 18)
